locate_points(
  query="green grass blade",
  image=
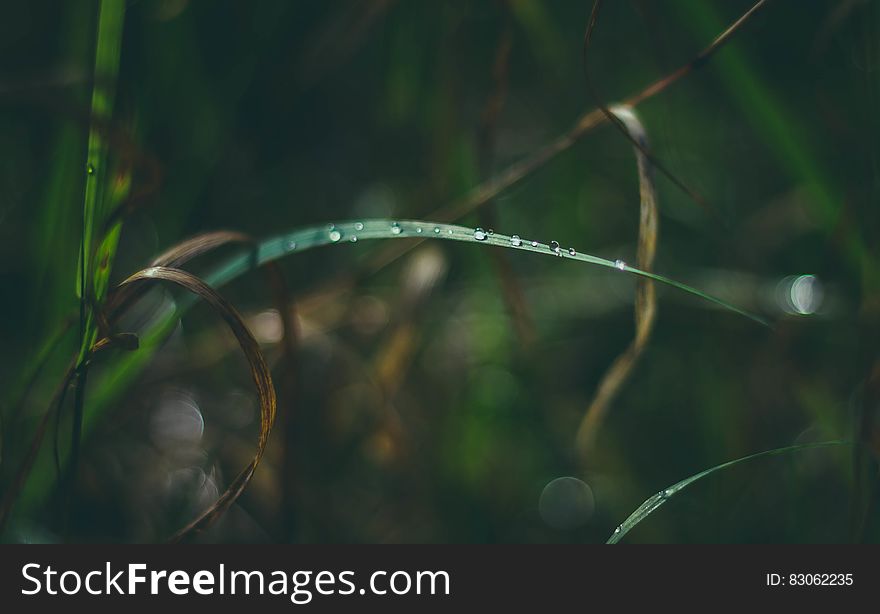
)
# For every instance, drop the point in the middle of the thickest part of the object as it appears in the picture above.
(652, 503)
(311, 237)
(126, 369)
(95, 248)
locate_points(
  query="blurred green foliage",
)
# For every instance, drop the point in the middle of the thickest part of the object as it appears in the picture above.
(414, 411)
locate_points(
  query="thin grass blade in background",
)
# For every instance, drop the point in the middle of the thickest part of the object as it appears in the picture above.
(646, 299)
(651, 504)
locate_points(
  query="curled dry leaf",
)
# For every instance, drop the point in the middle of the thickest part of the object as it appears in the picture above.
(175, 257)
(259, 371)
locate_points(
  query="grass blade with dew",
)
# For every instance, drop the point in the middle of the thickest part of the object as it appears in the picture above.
(123, 372)
(96, 252)
(652, 503)
(311, 237)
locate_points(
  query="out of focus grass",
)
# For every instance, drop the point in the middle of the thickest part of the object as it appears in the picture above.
(414, 412)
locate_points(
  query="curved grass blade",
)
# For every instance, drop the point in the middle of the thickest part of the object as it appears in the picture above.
(651, 504)
(646, 297)
(123, 297)
(311, 237)
(259, 372)
(128, 367)
(175, 257)
(354, 231)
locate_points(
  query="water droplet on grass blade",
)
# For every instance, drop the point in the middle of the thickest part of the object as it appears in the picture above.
(480, 234)
(396, 229)
(334, 235)
(358, 226)
(436, 230)
(353, 239)
(554, 247)
(90, 169)
(572, 251)
(620, 264)
(290, 245)
(515, 241)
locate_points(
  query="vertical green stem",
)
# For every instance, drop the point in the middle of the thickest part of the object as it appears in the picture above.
(91, 285)
(96, 252)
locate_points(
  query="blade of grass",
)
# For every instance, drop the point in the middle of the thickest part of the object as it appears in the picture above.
(92, 280)
(128, 367)
(646, 297)
(300, 240)
(259, 372)
(124, 296)
(653, 503)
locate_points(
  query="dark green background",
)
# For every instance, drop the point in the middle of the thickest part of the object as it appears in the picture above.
(265, 116)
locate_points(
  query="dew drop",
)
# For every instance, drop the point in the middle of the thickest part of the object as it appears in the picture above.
(396, 229)
(480, 234)
(620, 264)
(335, 235)
(90, 169)
(436, 230)
(291, 245)
(419, 230)
(358, 226)
(515, 241)
(616, 530)
(572, 251)
(449, 232)
(353, 238)
(667, 493)
(534, 244)
(554, 247)
(490, 232)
